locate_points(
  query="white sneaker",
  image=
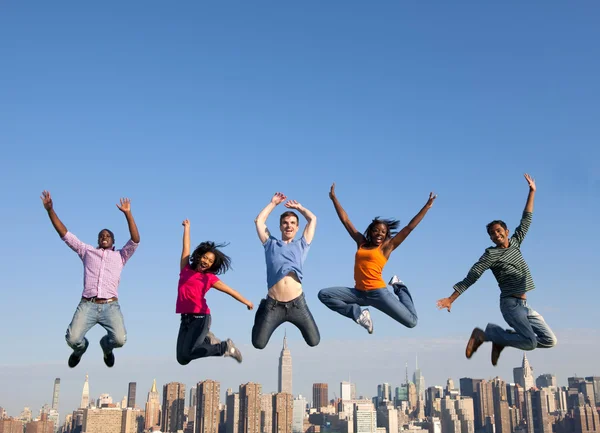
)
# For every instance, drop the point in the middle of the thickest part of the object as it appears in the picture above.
(233, 351)
(365, 321)
(395, 280)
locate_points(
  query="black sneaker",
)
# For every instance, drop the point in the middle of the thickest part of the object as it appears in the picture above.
(74, 359)
(109, 357)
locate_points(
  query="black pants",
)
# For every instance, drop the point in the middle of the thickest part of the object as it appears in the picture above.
(193, 342)
(272, 313)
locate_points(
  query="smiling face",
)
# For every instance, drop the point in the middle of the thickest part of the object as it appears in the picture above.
(498, 235)
(105, 239)
(378, 234)
(206, 261)
(288, 227)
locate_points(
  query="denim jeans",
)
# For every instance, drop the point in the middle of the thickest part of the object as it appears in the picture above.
(193, 342)
(87, 315)
(347, 302)
(272, 313)
(529, 328)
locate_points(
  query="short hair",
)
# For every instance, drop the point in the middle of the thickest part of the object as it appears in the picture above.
(392, 228)
(288, 214)
(493, 223)
(222, 262)
(112, 235)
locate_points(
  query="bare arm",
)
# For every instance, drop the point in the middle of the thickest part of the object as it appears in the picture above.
(343, 216)
(447, 302)
(185, 251)
(531, 195)
(261, 219)
(403, 234)
(311, 225)
(222, 287)
(125, 207)
(56, 222)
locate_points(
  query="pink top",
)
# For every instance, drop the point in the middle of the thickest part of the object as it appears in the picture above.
(101, 268)
(191, 291)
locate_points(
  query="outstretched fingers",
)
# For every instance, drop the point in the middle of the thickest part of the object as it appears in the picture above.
(124, 204)
(278, 198)
(531, 181)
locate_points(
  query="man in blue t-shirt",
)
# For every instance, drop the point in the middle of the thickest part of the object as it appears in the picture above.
(284, 257)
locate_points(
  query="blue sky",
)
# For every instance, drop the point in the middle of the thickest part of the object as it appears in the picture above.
(203, 110)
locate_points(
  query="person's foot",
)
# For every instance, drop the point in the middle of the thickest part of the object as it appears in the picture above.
(476, 340)
(395, 280)
(212, 339)
(233, 351)
(365, 321)
(74, 359)
(496, 350)
(109, 357)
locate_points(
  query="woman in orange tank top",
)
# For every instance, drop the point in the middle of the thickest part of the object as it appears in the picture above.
(374, 248)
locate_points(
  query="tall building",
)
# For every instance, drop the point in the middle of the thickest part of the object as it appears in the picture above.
(232, 402)
(152, 408)
(320, 395)
(104, 420)
(133, 420)
(131, 394)
(384, 392)
(299, 411)
(173, 407)
(346, 391)
(419, 381)
(545, 380)
(595, 380)
(250, 408)
(285, 368)
(539, 410)
(44, 425)
(524, 375)
(365, 418)
(501, 408)
(85, 394)
(283, 411)
(485, 398)
(208, 411)
(56, 393)
(266, 413)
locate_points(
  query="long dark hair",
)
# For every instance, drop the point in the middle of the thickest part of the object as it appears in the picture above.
(392, 228)
(222, 261)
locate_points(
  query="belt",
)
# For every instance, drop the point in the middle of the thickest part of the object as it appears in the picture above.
(99, 300)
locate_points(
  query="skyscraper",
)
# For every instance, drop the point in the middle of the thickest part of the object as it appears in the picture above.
(320, 395)
(250, 407)
(298, 414)
(419, 381)
(266, 413)
(131, 394)
(501, 408)
(285, 368)
(545, 380)
(345, 391)
(283, 412)
(152, 408)
(524, 375)
(55, 393)
(173, 407)
(85, 395)
(207, 413)
(232, 401)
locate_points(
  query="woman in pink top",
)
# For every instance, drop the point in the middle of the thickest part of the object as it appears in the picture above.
(198, 274)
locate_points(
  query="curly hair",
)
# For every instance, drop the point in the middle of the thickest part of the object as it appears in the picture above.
(222, 261)
(392, 228)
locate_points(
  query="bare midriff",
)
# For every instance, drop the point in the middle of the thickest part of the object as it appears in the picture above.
(286, 289)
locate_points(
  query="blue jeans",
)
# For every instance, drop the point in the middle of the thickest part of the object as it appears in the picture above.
(529, 328)
(193, 341)
(347, 302)
(87, 315)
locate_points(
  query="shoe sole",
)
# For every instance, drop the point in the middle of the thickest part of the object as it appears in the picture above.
(473, 343)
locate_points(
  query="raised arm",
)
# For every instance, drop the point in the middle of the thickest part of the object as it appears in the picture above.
(185, 251)
(395, 242)
(222, 287)
(311, 219)
(125, 207)
(343, 216)
(523, 228)
(531, 196)
(56, 222)
(261, 220)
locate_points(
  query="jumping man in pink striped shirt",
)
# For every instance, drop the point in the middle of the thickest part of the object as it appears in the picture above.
(102, 266)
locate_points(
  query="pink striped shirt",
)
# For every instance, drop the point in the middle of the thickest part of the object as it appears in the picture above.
(101, 268)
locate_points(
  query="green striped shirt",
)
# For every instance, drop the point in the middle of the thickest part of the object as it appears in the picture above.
(507, 265)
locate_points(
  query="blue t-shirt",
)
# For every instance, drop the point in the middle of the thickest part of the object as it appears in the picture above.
(283, 258)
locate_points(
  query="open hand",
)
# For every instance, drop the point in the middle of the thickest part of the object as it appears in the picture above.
(278, 198)
(124, 205)
(293, 204)
(444, 303)
(431, 199)
(332, 191)
(186, 223)
(46, 200)
(531, 181)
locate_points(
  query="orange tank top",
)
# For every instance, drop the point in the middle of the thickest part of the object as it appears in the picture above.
(368, 267)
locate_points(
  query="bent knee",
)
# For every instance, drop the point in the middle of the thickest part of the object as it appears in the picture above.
(120, 340)
(314, 341)
(259, 344)
(412, 323)
(182, 361)
(551, 342)
(531, 343)
(322, 295)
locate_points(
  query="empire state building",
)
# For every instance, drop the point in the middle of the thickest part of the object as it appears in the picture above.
(285, 368)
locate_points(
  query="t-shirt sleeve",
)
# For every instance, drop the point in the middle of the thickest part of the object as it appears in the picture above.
(269, 241)
(212, 279)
